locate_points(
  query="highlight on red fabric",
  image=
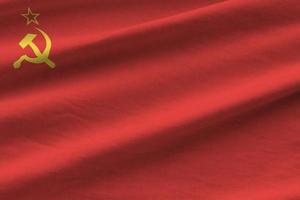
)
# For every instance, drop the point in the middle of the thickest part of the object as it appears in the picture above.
(150, 100)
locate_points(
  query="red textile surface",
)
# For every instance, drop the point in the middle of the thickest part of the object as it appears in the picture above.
(152, 100)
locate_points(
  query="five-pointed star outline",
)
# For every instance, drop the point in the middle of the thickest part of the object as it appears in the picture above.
(31, 17)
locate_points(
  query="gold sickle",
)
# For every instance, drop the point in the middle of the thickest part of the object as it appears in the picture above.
(41, 57)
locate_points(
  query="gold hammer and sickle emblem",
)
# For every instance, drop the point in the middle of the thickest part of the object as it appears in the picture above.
(41, 57)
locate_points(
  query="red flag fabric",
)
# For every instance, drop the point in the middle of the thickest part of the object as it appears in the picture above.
(152, 100)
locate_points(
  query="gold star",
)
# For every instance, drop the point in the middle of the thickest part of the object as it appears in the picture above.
(31, 17)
